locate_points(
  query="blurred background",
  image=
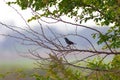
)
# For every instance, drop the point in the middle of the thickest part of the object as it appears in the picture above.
(12, 51)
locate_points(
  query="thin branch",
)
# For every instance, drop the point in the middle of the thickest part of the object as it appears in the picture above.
(95, 69)
(88, 51)
(84, 27)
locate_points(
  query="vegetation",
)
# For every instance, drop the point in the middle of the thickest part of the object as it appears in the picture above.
(56, 70)
(57, 66)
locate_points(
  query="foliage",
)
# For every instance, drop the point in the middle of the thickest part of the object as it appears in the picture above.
(40, 77)
(103, 12)
(116, 62)
(105, 71)
(58, 71)
(97, 63)
(99, 70)
(16, 74)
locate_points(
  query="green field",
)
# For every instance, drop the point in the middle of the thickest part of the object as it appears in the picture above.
(21, 69)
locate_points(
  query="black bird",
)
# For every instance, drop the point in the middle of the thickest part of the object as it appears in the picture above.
(68, 41)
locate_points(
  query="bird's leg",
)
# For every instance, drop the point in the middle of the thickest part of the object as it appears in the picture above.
(74, 47)
(68, 45)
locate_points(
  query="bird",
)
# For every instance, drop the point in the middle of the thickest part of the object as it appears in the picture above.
(68, 41)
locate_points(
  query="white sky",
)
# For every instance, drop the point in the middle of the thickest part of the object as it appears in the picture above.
(9, 16)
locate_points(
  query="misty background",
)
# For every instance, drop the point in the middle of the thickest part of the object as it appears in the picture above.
(10, 49)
